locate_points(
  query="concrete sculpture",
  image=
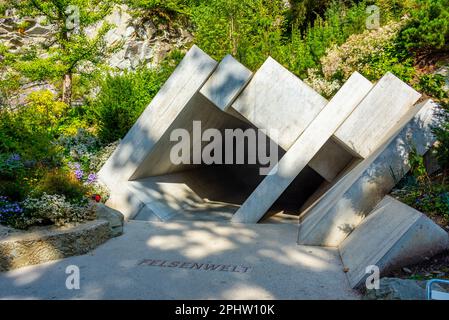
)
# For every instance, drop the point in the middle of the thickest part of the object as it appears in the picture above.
(336, 160)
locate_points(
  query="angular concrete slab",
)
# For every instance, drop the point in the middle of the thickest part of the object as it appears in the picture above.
(275, 99)
(206, 254)
(226, 83)
(304, 149)
(365, 128)
(183, 84)
(392, 236)
(335, 214)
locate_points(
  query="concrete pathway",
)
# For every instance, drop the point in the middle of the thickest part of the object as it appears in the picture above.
(191, 260)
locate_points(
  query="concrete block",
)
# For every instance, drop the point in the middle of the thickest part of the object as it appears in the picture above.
(304, 149)
(366, 127)
(392, 236)
(329, 220)
(275, 99)
(183, 84)
(226, 83)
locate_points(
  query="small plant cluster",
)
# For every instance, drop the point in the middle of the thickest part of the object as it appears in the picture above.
(433, 201)
(44, 210)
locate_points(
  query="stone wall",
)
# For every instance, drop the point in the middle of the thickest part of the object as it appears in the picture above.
(42, 244)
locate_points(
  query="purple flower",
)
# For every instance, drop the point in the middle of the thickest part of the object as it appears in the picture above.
(14, 157)
(91, 178)
(79, 174)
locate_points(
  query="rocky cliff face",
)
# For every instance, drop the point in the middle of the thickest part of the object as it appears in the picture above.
(144, 42)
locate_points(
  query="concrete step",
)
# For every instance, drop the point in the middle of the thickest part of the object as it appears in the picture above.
(392, 236)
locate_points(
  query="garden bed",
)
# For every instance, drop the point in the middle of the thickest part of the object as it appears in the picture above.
(40, 244)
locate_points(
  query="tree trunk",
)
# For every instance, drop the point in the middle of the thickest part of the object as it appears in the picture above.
(67, 89)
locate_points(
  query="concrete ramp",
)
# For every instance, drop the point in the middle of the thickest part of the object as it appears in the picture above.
(392, 236)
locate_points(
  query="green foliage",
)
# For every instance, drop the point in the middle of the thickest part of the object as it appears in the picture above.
(19, 133)
(122, 99)
(60, 182)
(434, 202)
(432, 84)
(249, 29)
(73, 47)
(428, 28)
(165, 8)
(303, 12)
(305, 48)
(417, 166)
(442, 134)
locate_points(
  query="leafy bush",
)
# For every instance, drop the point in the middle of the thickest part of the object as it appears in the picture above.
(29, 130)
(10, 165)
(122, 99)
(99, 158)
(303, 12)
(306, 47)
(432, 84)
(59, 182)
(80, 147)
(249, 29)
(428, 28)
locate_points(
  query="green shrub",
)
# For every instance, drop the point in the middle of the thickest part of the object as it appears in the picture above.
(15, 189)
(248, 29)
(428, 28)
(29, 129)
(306, 47)
(432, 84)
(122, 99)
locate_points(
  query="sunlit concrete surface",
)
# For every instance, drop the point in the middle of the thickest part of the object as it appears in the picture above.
(121, 268)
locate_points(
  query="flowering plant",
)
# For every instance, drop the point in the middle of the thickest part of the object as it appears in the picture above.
(56, 209)
(9, 211)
